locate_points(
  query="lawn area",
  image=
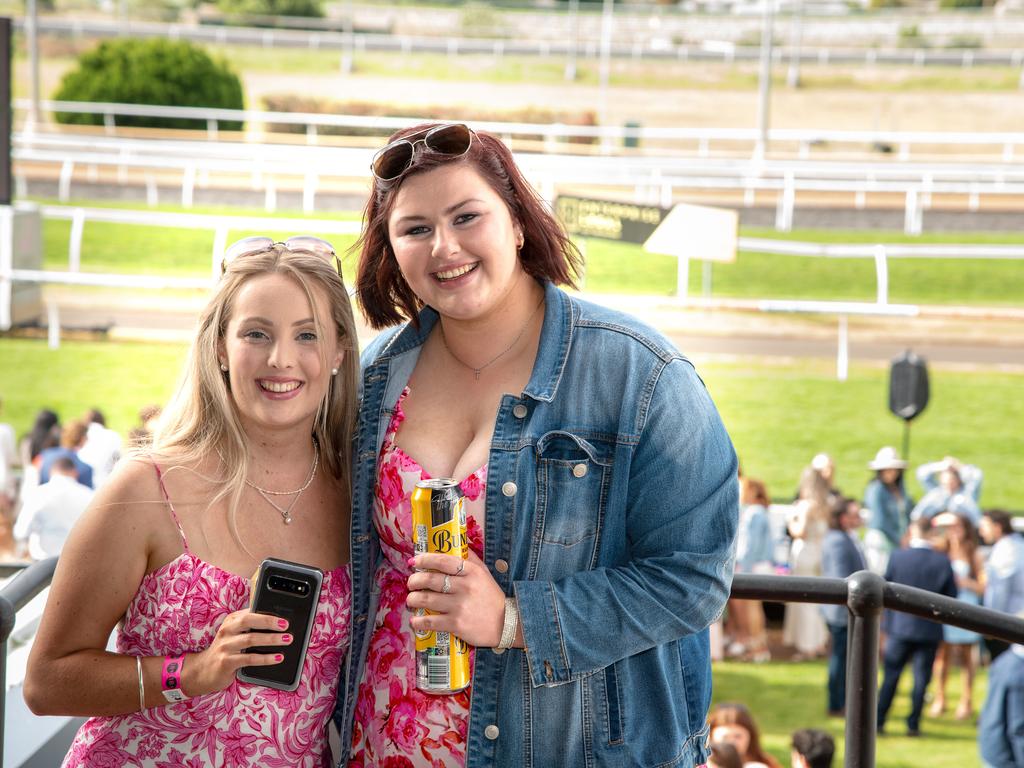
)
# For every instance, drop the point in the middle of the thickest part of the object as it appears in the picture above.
(786, 696)
(614, 267)
(625, 268)
(779, 414)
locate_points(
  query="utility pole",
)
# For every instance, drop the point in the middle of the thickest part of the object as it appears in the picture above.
(793, 75)
(32, 35)
(764, 98)
(574, 39)
(606, 53)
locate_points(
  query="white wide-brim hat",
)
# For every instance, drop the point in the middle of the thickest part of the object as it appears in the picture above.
(887, 458)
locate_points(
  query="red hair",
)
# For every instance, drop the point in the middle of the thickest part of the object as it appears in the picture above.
(547, 253)
(738, 714)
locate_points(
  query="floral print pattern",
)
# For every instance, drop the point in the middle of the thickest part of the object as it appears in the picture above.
(178, 609)
(397, 726)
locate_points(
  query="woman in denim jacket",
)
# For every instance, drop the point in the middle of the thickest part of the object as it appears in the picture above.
(601, 495)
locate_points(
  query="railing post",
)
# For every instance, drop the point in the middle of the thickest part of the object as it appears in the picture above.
(866, 590)
(7, 617)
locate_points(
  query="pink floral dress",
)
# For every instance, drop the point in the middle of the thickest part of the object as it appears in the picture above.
(178, 608)
(397, 726)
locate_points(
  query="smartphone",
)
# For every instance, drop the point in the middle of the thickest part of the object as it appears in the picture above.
(290, 591)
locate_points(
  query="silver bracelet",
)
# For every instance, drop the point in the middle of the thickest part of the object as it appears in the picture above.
(142, 684)
(508, 629)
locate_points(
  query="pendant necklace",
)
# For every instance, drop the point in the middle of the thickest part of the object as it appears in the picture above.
(476, 371)
(286, 511)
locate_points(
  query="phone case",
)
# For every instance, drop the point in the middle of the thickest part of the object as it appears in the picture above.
(290, 591)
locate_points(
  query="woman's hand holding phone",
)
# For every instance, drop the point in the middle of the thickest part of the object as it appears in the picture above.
(214, 669)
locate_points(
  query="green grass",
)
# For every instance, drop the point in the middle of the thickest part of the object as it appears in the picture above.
(779, 414)
(787, 696)
(611, 267)
(166, 251)
(117, 377)
(617, 267)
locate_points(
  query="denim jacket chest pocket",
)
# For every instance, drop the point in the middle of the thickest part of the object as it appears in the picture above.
(572, 479)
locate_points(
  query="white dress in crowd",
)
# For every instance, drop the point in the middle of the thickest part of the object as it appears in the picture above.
(804, 627)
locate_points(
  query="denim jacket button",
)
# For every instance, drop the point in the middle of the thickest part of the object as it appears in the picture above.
(491, 732)
(501, 566)
(498, 651)
(579, 470)
(519, 411)
(509, 488)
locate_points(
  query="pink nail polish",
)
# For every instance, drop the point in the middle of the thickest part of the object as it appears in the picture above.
(278, 657)
(286, 638)
(411, 562)
(282, 623)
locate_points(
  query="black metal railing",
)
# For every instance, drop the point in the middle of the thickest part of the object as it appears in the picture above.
(865, 594)
(29, 582)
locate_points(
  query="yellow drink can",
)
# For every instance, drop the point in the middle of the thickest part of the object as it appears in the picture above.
(439, 525)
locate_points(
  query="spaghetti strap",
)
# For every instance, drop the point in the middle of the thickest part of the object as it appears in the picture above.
(170, 505)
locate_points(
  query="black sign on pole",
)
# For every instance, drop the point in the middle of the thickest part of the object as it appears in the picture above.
(5, 111)
(608, 219)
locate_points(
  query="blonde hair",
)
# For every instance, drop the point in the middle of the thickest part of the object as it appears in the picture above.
(202, 417)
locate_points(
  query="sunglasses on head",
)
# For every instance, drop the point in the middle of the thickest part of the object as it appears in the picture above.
(452, 140)
(252, 246)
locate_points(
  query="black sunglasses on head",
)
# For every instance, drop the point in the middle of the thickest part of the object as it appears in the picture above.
(452, 140)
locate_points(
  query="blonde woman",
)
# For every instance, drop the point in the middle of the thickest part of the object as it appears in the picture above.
(250, 461)
(804, 628)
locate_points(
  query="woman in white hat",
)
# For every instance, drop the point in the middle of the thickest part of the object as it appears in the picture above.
(889, 506)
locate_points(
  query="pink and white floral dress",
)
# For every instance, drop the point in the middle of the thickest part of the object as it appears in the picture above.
(178, 609)
(397, 726)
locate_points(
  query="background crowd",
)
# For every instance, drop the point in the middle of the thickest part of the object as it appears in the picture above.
(945, 541)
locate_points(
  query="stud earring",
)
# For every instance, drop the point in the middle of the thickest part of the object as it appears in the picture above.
(334, 371)
(223, 367)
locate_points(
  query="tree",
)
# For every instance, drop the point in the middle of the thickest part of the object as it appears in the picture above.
(161, 72)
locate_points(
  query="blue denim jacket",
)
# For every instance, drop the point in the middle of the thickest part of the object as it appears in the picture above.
(611, 514)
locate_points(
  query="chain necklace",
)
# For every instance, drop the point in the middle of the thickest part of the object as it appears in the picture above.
(286, 511)
(476, 371)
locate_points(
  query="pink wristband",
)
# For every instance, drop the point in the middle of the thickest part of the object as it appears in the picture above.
(170, 678)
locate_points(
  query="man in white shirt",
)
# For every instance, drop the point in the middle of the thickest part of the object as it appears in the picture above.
(102, 447)
(51, 510)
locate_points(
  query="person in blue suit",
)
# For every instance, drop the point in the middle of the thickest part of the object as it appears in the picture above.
(841, 555)
(1001, 726)
(910, 638)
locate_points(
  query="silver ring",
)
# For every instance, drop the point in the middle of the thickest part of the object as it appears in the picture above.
(462, 567)
(447, 585)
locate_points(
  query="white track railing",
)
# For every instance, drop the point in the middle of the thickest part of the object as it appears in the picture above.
(221, 225)
(611, 137)
(647, 45)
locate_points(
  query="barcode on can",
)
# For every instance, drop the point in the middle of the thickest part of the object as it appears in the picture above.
(420, 545)
(438, 672)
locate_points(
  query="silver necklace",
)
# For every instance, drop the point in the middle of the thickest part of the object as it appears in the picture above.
(286, 511)
(476, 371)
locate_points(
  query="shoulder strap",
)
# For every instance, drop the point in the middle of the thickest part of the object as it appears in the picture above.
(170, 506)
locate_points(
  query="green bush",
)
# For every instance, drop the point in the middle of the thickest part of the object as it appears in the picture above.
(960, 3)
(312, 8)
(159, 72)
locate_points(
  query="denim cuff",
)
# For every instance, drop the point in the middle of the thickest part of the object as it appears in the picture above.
(542, 633)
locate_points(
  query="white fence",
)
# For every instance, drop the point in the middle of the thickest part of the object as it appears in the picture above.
(221, 225)
(666, 140)
(654, 43)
